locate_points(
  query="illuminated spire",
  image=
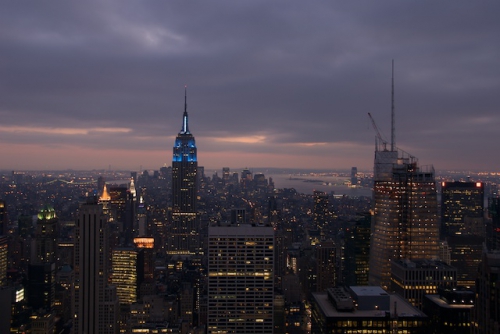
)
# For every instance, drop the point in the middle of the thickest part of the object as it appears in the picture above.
(105, 194)
(185, 129)
(132, 188)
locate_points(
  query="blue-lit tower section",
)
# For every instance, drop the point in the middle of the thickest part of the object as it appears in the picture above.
(184, 236)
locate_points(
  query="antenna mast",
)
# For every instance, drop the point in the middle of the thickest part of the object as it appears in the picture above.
(185, 98)
(393, 126)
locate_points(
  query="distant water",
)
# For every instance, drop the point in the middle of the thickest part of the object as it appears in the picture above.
(307, 184)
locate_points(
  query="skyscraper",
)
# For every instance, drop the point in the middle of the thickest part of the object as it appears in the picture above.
(412, 279)
(486, 312)
(493, 229)
(462, 206)
(326, 265)
(321, 212)
(42, 267)
(4, 241)
(357, 252)
(405, 221)
(45, 236)
(184, 234)
(462, 225)
(240, 279)
(96, 303)
(124, 274)
(354, 176)
(3, 217)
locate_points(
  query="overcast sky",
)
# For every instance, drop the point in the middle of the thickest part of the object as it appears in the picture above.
(92, 84)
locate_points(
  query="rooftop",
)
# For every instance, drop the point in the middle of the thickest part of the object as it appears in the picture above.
(423, 264)
(403, 308)
(436, 299)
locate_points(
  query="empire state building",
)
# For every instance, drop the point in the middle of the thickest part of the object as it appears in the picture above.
(184, 235)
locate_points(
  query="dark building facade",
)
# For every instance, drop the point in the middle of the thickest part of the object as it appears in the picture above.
(364, 309)
(95, 302)
(3, 217)
(465, 255)
(486, 313)
(449, 311)
(462, 208)
(493, 229)
(414, 279)
(321, 212)
(462, 226)
(357, 252)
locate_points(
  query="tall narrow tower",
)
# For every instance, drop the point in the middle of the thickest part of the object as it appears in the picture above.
(184, 234)
(405, 221)
(42, 268)
(96, 304)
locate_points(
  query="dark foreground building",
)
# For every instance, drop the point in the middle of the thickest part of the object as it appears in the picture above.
(364, 309)
(449, 311)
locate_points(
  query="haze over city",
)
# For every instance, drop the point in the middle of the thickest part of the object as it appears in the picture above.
(270, 84)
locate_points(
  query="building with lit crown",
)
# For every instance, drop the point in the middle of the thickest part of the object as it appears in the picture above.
(42, 267)
(46, 236)
(184, 232)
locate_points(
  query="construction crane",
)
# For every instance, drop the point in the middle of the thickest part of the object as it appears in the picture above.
(379, 136)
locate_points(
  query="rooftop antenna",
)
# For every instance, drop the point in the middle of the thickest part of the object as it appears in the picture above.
(185, 98)
(393, 126)
(185, 128)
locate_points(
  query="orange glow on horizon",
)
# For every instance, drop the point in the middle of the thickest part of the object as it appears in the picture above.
(243, 140)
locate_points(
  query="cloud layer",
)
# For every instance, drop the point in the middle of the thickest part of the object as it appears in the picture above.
(276, 84)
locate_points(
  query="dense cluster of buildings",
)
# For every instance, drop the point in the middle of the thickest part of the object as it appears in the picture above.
(176, 251)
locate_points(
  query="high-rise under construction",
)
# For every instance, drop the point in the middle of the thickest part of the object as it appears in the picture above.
(405, 210)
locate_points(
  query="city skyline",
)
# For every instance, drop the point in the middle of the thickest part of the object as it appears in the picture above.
(287, 84)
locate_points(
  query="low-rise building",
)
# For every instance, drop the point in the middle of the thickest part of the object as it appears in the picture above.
(363, 309)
